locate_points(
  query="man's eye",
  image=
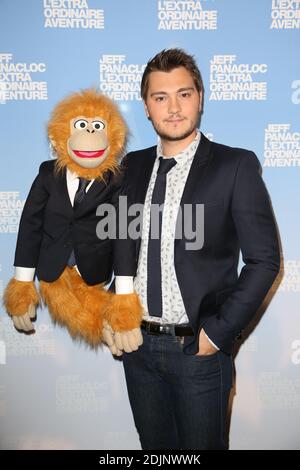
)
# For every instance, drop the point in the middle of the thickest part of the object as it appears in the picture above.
(160, 98)
(185, 95)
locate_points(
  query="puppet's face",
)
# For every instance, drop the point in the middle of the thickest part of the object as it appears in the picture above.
(88, 134)
(88, 144)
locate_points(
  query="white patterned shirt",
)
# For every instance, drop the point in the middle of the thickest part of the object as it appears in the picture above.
(173, 310)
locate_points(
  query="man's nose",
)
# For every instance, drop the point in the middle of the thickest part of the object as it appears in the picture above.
(174, 105)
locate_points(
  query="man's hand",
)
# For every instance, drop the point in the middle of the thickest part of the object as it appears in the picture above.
(23, 322)
(205, 346)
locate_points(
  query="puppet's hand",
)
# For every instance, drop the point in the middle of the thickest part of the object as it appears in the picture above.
(20, 300)
(128, 341)
(124, 312)
(124, 315)
(109, 339)
(23, 322)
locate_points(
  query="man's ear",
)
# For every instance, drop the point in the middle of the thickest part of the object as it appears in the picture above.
(201, 101)
(146, 111)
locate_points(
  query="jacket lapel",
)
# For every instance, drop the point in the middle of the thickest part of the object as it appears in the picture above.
(93, 193)
(197, 171)
(64, 199)
(144, 176)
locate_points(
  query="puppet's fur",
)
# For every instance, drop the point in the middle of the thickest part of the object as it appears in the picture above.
(19, 295)
(70, 300)
(75, 305)
(89, 103)
(124, 312)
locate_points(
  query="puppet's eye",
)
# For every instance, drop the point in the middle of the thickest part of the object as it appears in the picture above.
(80, 124)
(98, 125)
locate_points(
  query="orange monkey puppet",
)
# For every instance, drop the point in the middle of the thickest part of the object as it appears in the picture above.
(57, 239)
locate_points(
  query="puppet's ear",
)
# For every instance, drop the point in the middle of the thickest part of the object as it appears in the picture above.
(52, 147)
(52, 142)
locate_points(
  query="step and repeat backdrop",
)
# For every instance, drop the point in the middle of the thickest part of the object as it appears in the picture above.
(58, 394)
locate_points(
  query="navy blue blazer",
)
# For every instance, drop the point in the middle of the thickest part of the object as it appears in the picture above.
(237, 217)
(50, 228)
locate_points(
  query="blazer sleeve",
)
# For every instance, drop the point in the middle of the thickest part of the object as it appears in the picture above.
(256, 229)
(31, 224)
(124, 247)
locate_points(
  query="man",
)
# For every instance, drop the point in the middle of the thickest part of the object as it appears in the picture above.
(194, 303)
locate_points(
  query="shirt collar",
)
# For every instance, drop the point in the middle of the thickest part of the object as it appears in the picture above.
(189, 151)
(71, 176)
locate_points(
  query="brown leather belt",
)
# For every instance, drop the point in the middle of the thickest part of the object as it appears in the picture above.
(154, 328)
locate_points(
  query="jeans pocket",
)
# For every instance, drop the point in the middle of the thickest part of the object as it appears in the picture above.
(206, 357)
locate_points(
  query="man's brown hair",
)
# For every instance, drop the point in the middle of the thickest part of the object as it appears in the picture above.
(167, 60)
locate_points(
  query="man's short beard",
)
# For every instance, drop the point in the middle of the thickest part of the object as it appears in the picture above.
(171, 138)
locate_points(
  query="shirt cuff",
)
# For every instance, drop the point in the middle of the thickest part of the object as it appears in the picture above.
(214, 345)
(124, 285)
(24, 274)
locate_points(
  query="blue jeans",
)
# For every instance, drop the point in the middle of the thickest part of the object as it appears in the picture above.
(178, 401)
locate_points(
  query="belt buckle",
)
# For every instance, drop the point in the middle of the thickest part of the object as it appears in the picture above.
(167, 329)
(148, 328)
(153, 328)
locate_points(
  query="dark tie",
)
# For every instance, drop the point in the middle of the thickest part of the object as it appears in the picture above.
(79, 196)
(154, 292)
(80, 193)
